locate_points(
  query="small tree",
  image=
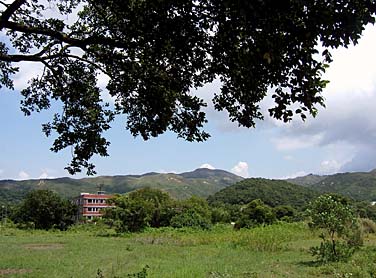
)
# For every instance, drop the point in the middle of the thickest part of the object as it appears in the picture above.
(193, 212)
(284, 213)
(333, 215)
(139, 209)
(255, 213)
(45, 210)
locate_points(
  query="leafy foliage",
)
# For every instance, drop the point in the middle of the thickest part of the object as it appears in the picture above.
(190, 218)
(155, 52)
(193, 212)
(285, 213)
(148, 207)
(360, 186)
(255, 213)
(201, 182)
(139, 209)
(44, 209)
(333, 215)
(271, 192)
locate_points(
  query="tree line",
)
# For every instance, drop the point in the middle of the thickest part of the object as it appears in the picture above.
(147, 207)
(338, 218)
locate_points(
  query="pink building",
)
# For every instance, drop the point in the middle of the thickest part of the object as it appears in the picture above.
(90, 205)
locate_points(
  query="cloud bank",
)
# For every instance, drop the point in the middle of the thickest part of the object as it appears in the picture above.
(347, 127)
(241, 169)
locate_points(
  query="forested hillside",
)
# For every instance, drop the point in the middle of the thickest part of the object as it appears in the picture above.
(357, 185)
(201, 182)
(271, 192)
(204, 183)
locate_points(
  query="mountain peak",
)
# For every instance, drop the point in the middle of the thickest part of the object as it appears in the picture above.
(207, 173)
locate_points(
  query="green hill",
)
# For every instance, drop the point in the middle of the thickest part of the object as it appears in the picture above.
(357, 185)
(308, 180)
(271, 192)
(201, 182)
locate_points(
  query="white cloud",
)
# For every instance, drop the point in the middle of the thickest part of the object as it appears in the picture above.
(207, 166)
(330, 166)
(241, 169)
(1, 172)
(294, 175)
(287, 143)
(46, 174)
(346, 128)
(353, 68)
(23, 175)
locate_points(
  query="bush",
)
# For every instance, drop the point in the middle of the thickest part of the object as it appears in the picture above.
(285, 213)
(140, 209)
(190, 218)
(324, 253)
(44, 209)
(333, 215)
(220, 215)
(193, 212)
(255, 213)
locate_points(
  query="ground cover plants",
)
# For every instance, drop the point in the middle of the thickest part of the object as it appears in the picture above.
(278, 250)
(149, 234)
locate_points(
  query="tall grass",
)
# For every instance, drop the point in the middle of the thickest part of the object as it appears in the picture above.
(271, 251)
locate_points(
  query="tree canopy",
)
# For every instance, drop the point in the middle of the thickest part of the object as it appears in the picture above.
(155, 52)
(45, 210)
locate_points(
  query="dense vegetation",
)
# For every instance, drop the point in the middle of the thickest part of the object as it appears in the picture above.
(44, 209)
(154, 52)
(279, 250)
(340, 231)
(153, 222)
(360, 186)
(201, 182)
(271, 192)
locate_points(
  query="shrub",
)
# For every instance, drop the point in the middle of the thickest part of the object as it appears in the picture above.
(190, 218)
(220, 215)
(46, 210)
(255, 213)
(140, 209)
(284, 213)
(340, 235)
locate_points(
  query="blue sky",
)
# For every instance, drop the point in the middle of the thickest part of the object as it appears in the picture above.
(341, 138)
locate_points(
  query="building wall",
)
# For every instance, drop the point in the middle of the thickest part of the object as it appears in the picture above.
(90, 205)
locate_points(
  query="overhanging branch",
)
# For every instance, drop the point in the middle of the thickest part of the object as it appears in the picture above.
(12, 8)
(60, 36)
(64, 37)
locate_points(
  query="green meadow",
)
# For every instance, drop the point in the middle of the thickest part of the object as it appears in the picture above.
(279, 250)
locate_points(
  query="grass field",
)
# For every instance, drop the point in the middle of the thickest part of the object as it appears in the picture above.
(279, 250)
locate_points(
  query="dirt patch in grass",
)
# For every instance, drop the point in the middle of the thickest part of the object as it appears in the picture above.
(44, 246)
(9, 271)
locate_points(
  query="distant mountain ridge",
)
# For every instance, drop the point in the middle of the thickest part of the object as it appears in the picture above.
(356, 185)
(200, 182)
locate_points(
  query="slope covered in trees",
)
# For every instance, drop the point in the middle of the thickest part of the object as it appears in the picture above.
(201, 182)
(271, 192)
(357, 185)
